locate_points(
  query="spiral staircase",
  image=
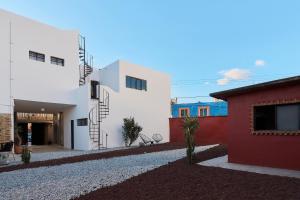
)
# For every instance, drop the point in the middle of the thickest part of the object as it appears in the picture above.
(100, 111)
(85, 62)
(96, 116)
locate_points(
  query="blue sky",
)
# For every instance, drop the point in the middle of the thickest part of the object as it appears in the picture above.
(205, 45)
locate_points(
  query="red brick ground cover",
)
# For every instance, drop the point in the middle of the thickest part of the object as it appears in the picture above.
(95, 156)
(180, 181)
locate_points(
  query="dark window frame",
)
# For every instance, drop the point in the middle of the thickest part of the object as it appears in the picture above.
(82, 122)
(33, 55)
(275, 130)
(57, 61)
(135, 83)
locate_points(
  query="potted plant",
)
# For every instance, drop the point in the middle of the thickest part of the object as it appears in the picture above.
(17, 142)
(26, 155)
(4, 158)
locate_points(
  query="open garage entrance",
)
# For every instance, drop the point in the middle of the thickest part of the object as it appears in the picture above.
(40, 124)
(40, 128)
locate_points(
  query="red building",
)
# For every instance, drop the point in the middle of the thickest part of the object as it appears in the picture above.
(264, 123)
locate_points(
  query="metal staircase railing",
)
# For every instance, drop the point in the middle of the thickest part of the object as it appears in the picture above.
(96, 115)
(86, 61)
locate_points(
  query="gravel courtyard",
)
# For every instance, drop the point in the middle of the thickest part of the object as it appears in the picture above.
(71, 180)
(195, 182)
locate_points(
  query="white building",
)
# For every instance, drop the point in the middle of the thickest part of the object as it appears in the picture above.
(46, 79)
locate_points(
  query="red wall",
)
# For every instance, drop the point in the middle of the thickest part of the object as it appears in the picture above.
(212, 130)
(267, 150)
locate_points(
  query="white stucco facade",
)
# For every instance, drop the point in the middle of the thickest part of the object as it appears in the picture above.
(33, 86)
(151, 108)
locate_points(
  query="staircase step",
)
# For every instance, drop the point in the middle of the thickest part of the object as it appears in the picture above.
(97, 115)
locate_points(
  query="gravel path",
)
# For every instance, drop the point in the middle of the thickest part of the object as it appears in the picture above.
(71, 180)
(59, 154)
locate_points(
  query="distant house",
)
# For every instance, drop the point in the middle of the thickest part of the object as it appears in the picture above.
(264, 123)
(199, 109)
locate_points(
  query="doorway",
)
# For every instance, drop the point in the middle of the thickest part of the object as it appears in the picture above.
(72, 134)
(46, 129)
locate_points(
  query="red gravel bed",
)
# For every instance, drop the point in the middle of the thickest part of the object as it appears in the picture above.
(94, 156)
(180, 181)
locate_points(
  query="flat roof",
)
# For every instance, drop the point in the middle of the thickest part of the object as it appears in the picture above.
(260, 86)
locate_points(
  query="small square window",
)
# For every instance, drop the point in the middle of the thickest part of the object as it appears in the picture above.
(203, 111)
(184, 112)
(57, 61)
(36, 56)
(82, 122)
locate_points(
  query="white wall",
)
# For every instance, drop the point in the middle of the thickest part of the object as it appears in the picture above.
(81, 110)
(110, 76)
(4, 65)
(34, 80)
(151, 108)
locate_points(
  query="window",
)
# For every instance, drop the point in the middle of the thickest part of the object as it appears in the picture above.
(144, 85)
(264, 118)
(288, 117)
(139, 84)
(136, 83)
(203, 111)
(82, 122)
(36, 56)
(277, 117)
(57, 61)
(184, 112)
(94, 91)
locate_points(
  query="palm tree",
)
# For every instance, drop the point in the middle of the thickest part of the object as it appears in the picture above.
(190, 125)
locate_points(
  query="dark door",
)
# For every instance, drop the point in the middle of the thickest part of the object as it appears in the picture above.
(72, 134)
(38, 134)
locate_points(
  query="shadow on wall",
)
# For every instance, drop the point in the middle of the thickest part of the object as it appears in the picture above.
(212, 130)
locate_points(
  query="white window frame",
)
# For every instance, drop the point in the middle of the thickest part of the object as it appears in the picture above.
(188, 112)
(203, 107)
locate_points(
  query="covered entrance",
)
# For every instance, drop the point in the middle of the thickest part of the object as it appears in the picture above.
(39, 128)
(40, 124)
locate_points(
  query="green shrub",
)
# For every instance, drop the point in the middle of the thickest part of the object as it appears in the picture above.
(26, 155)
(190, 125)
(131, 131)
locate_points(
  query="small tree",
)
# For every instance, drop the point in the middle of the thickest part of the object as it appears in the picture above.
(190, 125)
(131, 131)
(26, 155)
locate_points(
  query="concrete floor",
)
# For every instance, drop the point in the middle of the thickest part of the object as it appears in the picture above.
(47, 148)
(223, 163)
